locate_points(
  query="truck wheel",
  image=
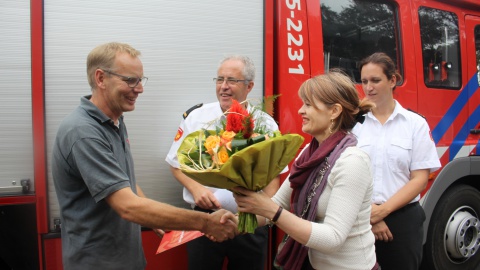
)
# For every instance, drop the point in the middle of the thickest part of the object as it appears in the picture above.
(453, 237)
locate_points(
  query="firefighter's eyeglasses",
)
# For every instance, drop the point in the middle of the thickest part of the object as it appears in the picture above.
(230, 81)
(131, 81)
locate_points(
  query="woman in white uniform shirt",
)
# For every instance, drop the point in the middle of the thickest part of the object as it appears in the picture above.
(402, 155)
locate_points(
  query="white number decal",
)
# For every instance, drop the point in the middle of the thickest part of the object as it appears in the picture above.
(293, 4)
(298, 70)
(290, 24)
(294, 37)
(291, 39)
(296, 55)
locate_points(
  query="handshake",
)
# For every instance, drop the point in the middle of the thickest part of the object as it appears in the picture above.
(221, 225)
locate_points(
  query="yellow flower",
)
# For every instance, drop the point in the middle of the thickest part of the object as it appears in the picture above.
(211, 142)
(222, 155)
(228, 135)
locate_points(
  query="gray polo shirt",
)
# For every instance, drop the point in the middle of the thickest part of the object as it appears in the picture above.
(91, 160)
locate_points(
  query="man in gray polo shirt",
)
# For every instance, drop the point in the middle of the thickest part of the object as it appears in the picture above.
(102, 207)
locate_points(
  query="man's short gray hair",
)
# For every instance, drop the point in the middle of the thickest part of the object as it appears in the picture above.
(248, 65)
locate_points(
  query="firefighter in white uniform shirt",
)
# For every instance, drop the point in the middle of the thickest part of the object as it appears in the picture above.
(402, 155)
(235, 79)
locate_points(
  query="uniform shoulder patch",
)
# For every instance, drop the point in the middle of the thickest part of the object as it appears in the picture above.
(187, 112)
(417, 113)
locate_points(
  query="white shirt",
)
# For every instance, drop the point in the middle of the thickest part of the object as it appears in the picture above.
(341, 236)
(208, 117)
(401, 145)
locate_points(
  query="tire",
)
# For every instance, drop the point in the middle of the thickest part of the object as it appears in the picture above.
(455, 223)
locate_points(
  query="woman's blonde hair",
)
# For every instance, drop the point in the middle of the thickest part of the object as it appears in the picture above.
(332, 88)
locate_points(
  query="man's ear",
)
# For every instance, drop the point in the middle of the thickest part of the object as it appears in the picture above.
(100, 78)
(250, 86)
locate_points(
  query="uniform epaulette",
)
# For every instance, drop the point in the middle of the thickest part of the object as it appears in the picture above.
(423, 116)
(186, 113)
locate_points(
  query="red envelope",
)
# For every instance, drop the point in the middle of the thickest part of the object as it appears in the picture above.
(172, 239)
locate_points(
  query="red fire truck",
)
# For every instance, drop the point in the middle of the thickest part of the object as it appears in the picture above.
(435, 43)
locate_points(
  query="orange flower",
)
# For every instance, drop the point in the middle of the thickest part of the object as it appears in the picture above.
(258, 134)
(228, 136)
(211, 142)
(222, 156)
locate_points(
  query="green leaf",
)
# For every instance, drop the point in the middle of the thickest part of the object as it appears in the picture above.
(238, 145)
(206, 160)
(206, 133)
(257, 139)
(194, 155)
(268, 104)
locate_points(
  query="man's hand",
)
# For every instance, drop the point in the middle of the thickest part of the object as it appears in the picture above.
(382, 232)
(221, 225)
(204, 198)
(159, 232)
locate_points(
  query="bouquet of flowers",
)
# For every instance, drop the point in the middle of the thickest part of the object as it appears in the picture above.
(237, 153)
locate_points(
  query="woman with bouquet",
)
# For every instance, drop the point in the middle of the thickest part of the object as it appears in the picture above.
(329, 189)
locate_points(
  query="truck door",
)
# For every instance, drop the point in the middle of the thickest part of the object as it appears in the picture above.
(472, 24)
(442, 93)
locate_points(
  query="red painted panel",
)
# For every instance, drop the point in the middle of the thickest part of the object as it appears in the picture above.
(38, 112)
(52, 251)
(8, 200)
(293, 60)
(173, 259)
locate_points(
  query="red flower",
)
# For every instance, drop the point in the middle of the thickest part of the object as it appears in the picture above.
(239, 120)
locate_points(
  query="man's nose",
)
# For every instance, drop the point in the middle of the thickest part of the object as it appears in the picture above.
(138, 88)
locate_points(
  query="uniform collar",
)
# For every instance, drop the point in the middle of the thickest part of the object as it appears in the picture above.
(398, 110)
(249, 107)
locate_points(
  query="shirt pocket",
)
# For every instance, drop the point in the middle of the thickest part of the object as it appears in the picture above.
(365, 144)
(400, 155)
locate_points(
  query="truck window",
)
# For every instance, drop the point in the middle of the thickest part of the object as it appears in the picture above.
(440, 48)
(355, 29)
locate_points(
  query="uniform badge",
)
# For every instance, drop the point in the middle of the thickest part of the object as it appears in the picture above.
(179, 134)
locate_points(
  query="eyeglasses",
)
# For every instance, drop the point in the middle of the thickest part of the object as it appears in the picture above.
(131, 81)
(230, 81)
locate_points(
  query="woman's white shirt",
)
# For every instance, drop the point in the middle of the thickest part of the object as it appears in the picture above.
(401, 145)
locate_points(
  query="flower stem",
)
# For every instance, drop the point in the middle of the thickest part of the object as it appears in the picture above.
(247, 223)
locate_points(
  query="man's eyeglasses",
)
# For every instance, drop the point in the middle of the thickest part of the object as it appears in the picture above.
(230, 81)
(131, 81)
